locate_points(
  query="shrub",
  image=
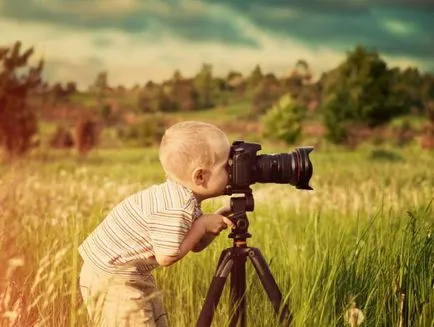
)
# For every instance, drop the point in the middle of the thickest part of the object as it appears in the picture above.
(147, 132)
(62, 138)
(283, 121)
(86, 134)
(427, 140)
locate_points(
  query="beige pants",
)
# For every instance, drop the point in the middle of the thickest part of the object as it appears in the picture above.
(115, 302)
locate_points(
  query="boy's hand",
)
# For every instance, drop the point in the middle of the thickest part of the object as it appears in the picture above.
(228, 222)
(224, 211)
(215, 223)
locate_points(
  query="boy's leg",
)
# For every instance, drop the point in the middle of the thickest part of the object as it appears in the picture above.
(158, 308)
(148, 287)
(125, 306)
(118, 303)
(159, 312)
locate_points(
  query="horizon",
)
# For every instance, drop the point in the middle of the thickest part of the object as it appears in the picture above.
(136, 41)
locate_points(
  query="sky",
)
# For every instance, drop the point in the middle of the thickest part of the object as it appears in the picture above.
(140, 40)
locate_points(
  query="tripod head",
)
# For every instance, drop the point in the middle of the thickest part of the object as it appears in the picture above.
(239, 206)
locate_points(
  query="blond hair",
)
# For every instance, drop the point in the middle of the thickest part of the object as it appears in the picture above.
(188, 145)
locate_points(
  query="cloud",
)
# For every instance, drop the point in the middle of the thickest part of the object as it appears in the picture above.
(340, 24)
(398, 27)
(136, 41)
(189, 20)
(129, 59)
(92, 8)
(382, 24)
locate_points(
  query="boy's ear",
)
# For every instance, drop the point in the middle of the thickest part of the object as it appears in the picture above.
(198, 176)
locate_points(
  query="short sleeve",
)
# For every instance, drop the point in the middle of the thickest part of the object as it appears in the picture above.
(168, 229)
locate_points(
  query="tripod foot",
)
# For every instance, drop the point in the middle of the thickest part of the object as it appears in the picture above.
(215, 289)
(270, 286)
(232, 261)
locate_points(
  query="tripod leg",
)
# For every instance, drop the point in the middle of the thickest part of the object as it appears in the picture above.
(216, 288)
(238, 290)
(270, 286)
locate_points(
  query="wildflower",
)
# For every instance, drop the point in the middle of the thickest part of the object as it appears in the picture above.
(354, 317)
(15, 262)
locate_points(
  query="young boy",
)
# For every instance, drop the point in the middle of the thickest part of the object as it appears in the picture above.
(155, 227)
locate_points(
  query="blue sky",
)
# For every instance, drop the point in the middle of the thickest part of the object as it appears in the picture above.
(136, 40)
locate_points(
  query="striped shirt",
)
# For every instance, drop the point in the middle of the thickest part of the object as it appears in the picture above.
(155, 220)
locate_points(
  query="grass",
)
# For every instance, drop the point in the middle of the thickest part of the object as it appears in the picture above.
(364, 235)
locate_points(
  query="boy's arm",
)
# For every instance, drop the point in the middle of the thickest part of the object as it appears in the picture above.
(204, 242)
(194, 235)
(208, 238)
(206, 224)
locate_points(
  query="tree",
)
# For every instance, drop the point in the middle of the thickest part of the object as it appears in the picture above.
(235, 83)
(60, 92)
(294, 85)
(101, 83)
(359, 90)
(298, 79)
(176, 76)
(18, 123)
(266, 93)
(204, 85)
(302, 69)
(283, 121)
(183, 95)
(153, 99)
(407, 87)
(427, 88)
(255, 77)
(71, 88)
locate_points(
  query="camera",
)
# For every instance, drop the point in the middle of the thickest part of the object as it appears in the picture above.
(246, 167)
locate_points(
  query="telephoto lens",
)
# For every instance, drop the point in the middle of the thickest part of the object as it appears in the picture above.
(294, 168)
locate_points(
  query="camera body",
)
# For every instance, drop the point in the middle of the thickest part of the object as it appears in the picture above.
(246, 167)
(242, 166)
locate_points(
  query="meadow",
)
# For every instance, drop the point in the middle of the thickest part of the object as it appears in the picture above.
(362, 239)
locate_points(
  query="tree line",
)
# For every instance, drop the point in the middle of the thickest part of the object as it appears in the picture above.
(362, 90)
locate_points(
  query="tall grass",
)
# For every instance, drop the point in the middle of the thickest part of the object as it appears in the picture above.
(363, 238)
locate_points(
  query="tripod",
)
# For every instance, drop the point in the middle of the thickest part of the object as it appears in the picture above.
(232, 261)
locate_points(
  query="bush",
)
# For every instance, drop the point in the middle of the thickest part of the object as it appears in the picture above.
(283, 121)
(62, 138)
(146, 132)
(427, 140)
(86, 134)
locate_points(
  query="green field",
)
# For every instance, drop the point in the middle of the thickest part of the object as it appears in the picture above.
(365, 234)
